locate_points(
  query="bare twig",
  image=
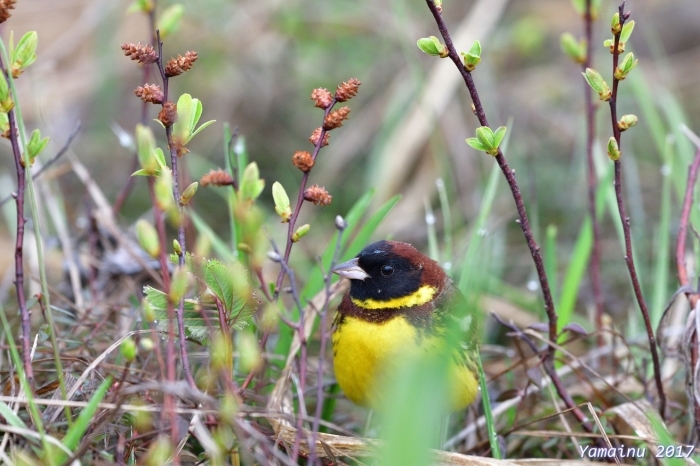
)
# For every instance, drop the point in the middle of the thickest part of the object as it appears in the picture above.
(523, 221)
(19, 244)
(629, 258)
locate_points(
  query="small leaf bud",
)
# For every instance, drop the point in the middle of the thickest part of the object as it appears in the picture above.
(340, 223)
(301, 232)
(626, 122)
(148, 238)
(613, 150)
(128, 349)
(189, 193)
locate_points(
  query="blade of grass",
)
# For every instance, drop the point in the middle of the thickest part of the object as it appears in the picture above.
(469, 271)
(550, 259)
(221, 248)
(230, 197)
(663, 238)
(446, 225)
(488, 415)
(433, 251)
(76, 432)
(578, 264)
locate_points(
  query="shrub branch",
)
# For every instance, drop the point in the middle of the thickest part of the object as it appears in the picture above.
(685, 281)
(629, 258)
(548, 358)
(181, 220)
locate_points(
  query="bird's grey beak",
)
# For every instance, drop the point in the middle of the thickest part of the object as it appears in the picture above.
(351, 270)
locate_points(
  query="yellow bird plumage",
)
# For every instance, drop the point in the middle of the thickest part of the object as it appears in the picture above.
(399, 304)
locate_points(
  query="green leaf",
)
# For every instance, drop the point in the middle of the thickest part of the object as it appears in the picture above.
(301, 232)
(282, 206)
(615, 23)
(572, 48)
(579, 6)
(195, 325)
(148, 237)
(201, 127)
(485, 136)
(145, 148)
(189, 193)
(186, 110)
(160, 158)
(628, 63)
(141, 6)
(251, 184)
(597, 83)
(431, 45)
(169, 20)
(613, 149)
(230, 284)
(474, 142)
(594, 79)
(25, 53)
(626, 31)
(475, 49)
(36, 144)
(498, 136)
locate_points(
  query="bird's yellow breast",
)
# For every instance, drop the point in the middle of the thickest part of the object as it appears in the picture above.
(366, 354)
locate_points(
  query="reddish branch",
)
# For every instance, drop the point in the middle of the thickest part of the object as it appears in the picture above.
(683, 277)
(629, 258)
(594, 268)
(548, 359)
(683, 229)
(24, 313)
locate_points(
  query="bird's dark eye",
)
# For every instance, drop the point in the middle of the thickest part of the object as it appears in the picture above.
(387, 270)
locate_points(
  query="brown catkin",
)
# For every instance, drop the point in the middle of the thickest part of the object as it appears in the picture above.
(303, 160)
(335, 118)
(322, 98)
(347, 90)
(316, 135)
(168, 115)
(144, 54)
(179, 65)
(5, 7)
(150, 93)
(216, 178)
(318, 195)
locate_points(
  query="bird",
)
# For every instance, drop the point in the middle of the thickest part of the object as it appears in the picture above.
(400, 302)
